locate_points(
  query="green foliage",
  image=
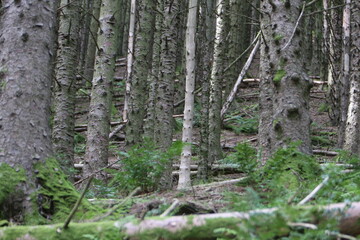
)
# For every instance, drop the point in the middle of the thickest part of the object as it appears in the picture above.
(57, 196)
(143, 166)
(324, 107)
(245, 157)
(9, 179)
(321, 141)
(279, 75)
(243, 125)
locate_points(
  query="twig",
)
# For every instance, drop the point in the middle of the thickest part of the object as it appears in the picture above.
(312, 194)
(181, 101)
(296, 25)
(114, 208)
(303, 225)
(117, 129)
(171, 208)
(339, 235)
(77, 204)
(91, 175)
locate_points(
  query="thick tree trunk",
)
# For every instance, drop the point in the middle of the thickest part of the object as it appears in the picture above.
(140, 70)
(352, 133)
(283, 72)
(185, 161)
(26, 53)
(205, 226)
(65, 85)
(96, 155)
(164, 107)
(217, 71)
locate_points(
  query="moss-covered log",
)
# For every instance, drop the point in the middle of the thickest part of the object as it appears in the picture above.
(205, 226)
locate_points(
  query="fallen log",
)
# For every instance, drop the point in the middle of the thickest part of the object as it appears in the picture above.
(193, 226)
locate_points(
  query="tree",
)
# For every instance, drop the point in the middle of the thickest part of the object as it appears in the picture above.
(215, 151)
(184, 175)
(65, 85)
(27, 49)
(285, 88)
(99, 111)
(140, 70)
(164, 107)
(352, 134)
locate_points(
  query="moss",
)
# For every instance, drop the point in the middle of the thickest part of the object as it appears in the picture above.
(279, 76)
(99, 230)
(57, 195)
(9, 179)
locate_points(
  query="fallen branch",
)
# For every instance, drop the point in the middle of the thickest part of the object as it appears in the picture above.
(313, 193)
(171, 208)
(233, 92)
(191, 226)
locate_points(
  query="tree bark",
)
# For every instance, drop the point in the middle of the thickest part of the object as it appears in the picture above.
(215, 152)
(352, 134)
(141, 67)
(65, 85)
(97, 143)
(164, 108)
(284, 74)
(185, 161)
(26, 53)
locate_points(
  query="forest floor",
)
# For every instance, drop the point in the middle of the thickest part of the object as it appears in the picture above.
(240, 126)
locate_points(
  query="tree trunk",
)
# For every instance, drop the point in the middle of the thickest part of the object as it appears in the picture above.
(26, 53)
(97, 143)
(334, 72)
(345, 78)
(92, 47)
(130, 58)
(283, 72)
(185, 161)
(215, 151)
(65, 85)
(352, 134)
(243, 225)
(164, 107)
(140, 70)
(205, 49)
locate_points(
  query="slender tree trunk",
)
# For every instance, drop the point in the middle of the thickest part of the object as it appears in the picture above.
(334, 72)
(345, 79)
(92, 47)
(130, 59)
(215, 151)
(84, 33)
(27, 45)
(65, 86)
(96, 155)
(141, 67)
(185, 161)
(284, 72)
(205, 49)
(164, 107)
(352, 134)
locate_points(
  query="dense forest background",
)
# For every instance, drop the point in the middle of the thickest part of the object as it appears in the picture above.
(237, 118)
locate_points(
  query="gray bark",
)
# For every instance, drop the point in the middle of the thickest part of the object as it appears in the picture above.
(352, 134)
(185, 161)
(65, 85)
(26, 54)
(215, 151)
(205, 50)
(345, 78)
(96, 155)
(283, 71)
(164, 107)
(140, 70)
(92, 46)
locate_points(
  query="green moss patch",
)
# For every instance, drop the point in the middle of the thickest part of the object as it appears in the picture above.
(57, 195)
(279, 75)
(9, 179)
